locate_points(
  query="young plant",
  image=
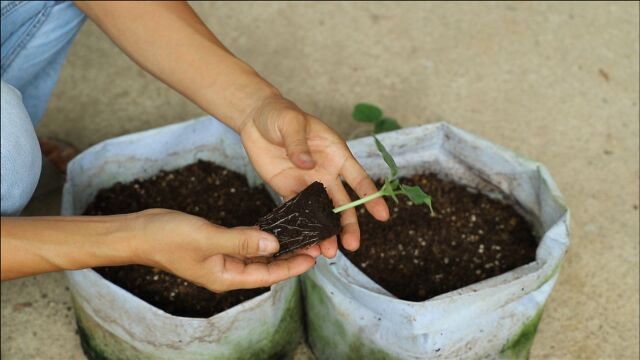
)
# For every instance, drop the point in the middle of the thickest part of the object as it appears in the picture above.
(392, 186)
(308, 217)
(367, 113)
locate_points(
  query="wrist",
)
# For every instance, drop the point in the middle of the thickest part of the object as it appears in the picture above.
(116, 241)
(151, 232)
(80, 242)
(258, 108)
(232, 100)
(252, 98)
(137, 228)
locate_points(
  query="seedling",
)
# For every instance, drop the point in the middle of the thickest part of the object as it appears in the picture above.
(308, 217)
(367, 113)
(392, 186)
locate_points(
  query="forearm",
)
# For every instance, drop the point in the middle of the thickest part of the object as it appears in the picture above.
(34, 245)
(170, 41)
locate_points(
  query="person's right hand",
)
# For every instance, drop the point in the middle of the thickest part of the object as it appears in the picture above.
(212, 256)
(291, 149)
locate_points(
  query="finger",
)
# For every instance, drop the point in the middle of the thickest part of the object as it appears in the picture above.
(237, 275)
(329, 247)
(294, 135)
(362, 184)
(350, 234)
(260, 259)
(313, 250)
(243, 242)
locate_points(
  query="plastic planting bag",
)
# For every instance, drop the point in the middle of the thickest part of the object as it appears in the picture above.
(113, 323)
(351, 317)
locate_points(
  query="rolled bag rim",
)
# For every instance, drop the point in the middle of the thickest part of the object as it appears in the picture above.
(78, 276)
(181, 339)
(536, 278)
(89, 289)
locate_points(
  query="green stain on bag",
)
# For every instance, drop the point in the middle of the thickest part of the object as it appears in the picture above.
(282, 341)
(260, 342)
(100, 344)
(328, 338)
(519, 346)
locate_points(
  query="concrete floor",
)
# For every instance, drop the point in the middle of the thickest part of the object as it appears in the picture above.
(557, 82)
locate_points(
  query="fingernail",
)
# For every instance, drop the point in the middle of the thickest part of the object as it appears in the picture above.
(267, 246)
(305, 157)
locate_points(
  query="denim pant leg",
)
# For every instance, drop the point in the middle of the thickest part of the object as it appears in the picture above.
(36, 36)
(20, 153)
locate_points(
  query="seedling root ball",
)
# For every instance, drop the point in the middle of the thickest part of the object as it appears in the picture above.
(302, 221)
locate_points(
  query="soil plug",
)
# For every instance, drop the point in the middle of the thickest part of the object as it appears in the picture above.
(302, 221)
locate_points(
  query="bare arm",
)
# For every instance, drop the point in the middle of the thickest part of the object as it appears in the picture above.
(33, 245)
(211, 256)
(170, 41)
(283, 142)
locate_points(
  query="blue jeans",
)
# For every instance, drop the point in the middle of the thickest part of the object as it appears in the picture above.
(36, 36)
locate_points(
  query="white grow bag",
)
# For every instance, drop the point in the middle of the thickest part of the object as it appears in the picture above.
(351, 317)
(115, 324)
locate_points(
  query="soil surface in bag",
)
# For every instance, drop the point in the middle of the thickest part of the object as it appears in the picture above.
(204, 189)
(416, 256)
(303, 220)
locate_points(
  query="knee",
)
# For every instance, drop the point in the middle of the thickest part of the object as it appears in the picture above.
(20, 153)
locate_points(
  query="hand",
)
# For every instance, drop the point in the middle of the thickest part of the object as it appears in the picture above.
(290, 149)
(212, 256)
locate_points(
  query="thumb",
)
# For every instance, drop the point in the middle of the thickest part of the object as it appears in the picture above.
(294, 135)
(246, 242)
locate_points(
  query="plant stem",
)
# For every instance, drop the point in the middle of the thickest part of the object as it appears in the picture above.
(359, 202)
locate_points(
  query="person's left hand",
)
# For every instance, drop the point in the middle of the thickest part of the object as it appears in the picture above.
(290, 149)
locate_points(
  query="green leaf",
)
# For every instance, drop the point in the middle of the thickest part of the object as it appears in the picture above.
(428, 202)
(387, 158)
(386, 124)
(417, 196)
(389, 187)
(366, 113)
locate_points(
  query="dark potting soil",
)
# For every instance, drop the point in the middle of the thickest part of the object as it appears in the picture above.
(204, 189)
(303, 220)
(416, 256)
